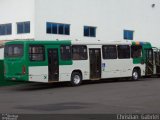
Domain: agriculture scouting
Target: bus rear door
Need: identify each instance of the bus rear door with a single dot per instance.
(53, 64)
(95, 63)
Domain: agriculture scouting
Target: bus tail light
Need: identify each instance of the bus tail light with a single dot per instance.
(23, 70)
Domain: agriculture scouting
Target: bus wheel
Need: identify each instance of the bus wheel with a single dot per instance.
(76, 79)
(135, 74)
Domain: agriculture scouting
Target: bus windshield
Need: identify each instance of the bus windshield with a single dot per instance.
(15, 50)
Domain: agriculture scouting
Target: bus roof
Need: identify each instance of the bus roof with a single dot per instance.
(39, 42)
(124, 42)
(78, 42)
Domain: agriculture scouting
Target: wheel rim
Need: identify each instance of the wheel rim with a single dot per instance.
(76, 79)
(135, 75)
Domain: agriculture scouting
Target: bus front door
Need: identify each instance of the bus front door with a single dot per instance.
(149, 62)
(157, 58)
(95, 64)
(53, 64)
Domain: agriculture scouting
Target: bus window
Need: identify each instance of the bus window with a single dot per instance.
(79, 52)
(66, 52)
(136, 51)
(14, 50)
(123, 51)
(109, 52)
(36, 53)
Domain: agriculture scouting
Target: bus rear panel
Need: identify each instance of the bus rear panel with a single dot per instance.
(15, 62)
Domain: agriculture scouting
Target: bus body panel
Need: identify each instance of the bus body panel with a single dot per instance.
(38, 74)
(13, 71)
(66, 71)
(116, 68)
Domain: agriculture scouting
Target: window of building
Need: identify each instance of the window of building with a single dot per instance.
(109, 52)
(123, 51)
(79, 52)
(23, 27)
(56, 28)
(6, 29)
(89, 31)
(36, 53)
(128, 34)
(66, 52)
(136, 51)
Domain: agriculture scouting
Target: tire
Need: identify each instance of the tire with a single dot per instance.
(135, 75)
(76, 79)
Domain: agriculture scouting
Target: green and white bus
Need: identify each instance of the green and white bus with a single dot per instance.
(75, 61)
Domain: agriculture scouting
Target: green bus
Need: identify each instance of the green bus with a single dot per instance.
(75, 61)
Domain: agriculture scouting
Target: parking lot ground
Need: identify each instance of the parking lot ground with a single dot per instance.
(98, 97)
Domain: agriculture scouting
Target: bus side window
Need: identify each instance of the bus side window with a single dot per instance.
(123, 51)
(136, 51)
(36, 53)
(66, 52)
(109, 52)
(79, 52)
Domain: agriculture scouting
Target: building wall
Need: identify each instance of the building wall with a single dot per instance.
(110, 17)
(13, 11)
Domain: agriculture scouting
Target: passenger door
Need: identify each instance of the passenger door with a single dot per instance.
(95, 63)
(53, 64)
(157, 61)
(149, 62)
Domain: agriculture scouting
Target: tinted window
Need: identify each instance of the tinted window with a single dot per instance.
(79, 52)
(61, 30)
(20, 28)
(67, 30)
(49, 28)
(8, 29)
(93, 32)
(23, 27)
(36, 53)
(2, 30)
(123, 51)
(109, 52)
(86, 31)
(89, 31)
(66, 52)
(136, 51)
(56, 28)
(27, 27)
(5, 29)
(128, 34)
(14, 50)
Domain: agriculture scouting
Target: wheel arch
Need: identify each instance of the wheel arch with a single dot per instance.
(79, 71)
(138, 69)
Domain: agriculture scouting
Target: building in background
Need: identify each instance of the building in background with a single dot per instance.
(104, 20)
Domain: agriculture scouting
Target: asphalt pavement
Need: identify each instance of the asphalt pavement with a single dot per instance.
(98, 97)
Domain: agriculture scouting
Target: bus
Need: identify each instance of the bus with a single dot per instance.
(75, 61)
